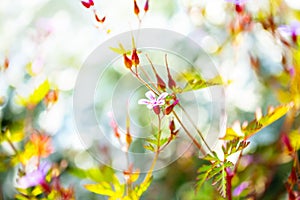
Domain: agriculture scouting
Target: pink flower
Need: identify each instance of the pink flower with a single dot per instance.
(239, 189)
(152, 102)
(292, 30)
(34, 177)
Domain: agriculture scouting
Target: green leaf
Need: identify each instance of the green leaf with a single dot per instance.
(36, 96)
(14, 133)
(121, 50)
(103, 188)
(140, 189)
(234, 146)
(163, 141)
(294, 137)
(149, 147)
(194, 81)
(20, 197)
(258, 124)
(203, 171)
(216, 172)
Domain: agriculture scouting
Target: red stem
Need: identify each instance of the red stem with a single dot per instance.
(229, 176)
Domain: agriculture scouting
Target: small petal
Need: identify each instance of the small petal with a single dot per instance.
(150, 106)
(144, 101)
(160, 103)
(150, 95)
(162, 96)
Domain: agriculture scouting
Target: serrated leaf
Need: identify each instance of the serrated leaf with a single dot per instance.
(203, 171)
(152, 141)
(163, 141)
(230, 134)
(194, 81)
(216, 172)
(256, 125)
(213, 157)
(149, 147)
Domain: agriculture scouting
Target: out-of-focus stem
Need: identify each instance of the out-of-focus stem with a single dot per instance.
(150, 171)
(143, 82)
(195, 127)
(199, 146)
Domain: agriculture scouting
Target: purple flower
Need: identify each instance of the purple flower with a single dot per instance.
(239, 189)
(35, 177)
(152, 102)
(237, 2)
(292, 30)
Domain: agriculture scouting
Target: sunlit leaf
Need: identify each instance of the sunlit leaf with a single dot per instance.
(37, 191)
(149, 147)
(21, 197)
(256, 125)
(140, 189)
(214, 171)
(121, 50)
(102, 188)
(194, 81)
(14, 133)
(294, 137)
(230, 134)
(36, 96)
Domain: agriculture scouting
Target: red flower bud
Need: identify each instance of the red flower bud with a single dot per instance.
(239, 8)
(136, 8)
(156, 110)
(172, 126)
(127, 61)
(146, 6)
(160, 83)
(171, 82)
(128, 139)
(51, 97)
(6, 63)
(169, 109)
(286, 141)
(135, 58)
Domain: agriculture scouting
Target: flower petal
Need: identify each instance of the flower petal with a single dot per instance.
(150, 95)
(150, 106)
(162, 96)
(144, 101)
(160, 103)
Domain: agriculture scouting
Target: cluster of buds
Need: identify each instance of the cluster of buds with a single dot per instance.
(133, 61)
(136, 8)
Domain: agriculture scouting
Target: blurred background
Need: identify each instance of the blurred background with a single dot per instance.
(52, 39)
